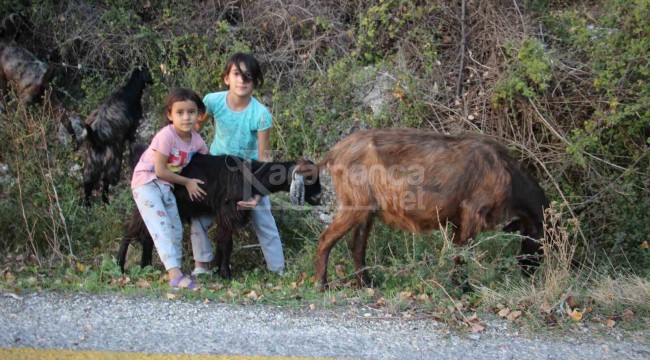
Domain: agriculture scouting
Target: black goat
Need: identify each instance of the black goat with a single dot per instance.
(227, 180)
(108, 129)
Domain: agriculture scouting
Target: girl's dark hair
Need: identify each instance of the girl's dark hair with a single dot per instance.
(180, 94)
(254, 72)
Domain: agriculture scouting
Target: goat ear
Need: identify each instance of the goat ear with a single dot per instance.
(308, 171)
(297, 188)
(305, 166)
(9, 26)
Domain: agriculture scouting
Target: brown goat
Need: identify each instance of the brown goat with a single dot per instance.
(18, 65)
(30, 78)
(21, 68)
(417, 181)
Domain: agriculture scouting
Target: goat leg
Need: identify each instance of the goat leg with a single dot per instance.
(121, 255)
(342, 223)
(90, 177)
(147, 249)
(458, 276)
(224, 251)
(30, 94)
(105, 187)
(218, 257)
(67, 123)
(531, 251)
(358, 247)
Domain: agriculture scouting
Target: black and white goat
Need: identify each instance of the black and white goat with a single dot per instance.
(108, 129)
(227, 180)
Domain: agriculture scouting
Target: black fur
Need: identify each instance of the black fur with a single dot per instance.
(108, 129)
(225, 183)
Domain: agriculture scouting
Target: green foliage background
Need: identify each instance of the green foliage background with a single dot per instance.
(563, 84)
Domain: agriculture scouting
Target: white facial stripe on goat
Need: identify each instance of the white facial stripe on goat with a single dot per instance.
(297, 189)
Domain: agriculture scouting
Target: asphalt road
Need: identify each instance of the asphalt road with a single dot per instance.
(118, 324)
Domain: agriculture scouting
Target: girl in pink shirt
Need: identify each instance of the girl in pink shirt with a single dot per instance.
(156, 174)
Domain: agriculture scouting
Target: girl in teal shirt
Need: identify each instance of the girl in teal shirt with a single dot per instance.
(242, 125)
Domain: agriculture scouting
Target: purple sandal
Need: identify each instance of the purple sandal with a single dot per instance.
(175, 283)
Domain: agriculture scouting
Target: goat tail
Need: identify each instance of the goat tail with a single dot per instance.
(91, 136)
(135, 229)
(324, 163)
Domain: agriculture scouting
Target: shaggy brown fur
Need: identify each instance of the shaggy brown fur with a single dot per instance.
(21, 68)
(418, 181)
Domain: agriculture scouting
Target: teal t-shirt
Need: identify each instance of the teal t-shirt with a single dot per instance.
(235, 132)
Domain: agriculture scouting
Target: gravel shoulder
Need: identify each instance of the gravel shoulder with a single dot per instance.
(116, 323)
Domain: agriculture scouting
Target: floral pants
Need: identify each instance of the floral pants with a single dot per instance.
(157, 206)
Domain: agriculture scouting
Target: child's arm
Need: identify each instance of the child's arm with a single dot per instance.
(162, 172)
(263, 143)
(262, 155)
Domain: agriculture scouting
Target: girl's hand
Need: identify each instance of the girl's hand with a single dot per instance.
(250, 203)
(195, 190)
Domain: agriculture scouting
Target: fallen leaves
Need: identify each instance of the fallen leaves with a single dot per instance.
(474, 323)
(405, 295)
(339, 271)
(576, 315)
(252, 295)
(119, 281)
(514, 315)
(511, 316)
(476, 328)
(8, 277)
(143, 283)
(573, 309)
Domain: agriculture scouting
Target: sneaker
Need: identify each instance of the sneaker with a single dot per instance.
(201, 271)
(279, 273)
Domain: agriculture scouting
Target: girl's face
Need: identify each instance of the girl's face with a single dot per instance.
(237, 82)
(184, 115)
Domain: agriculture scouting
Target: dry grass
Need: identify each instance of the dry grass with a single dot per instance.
(561, 278)
(622, 292)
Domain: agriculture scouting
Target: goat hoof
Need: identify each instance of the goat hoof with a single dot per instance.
(364, 281)
(226, 274)
(324, 287)
(465, 287)
(366, 284)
